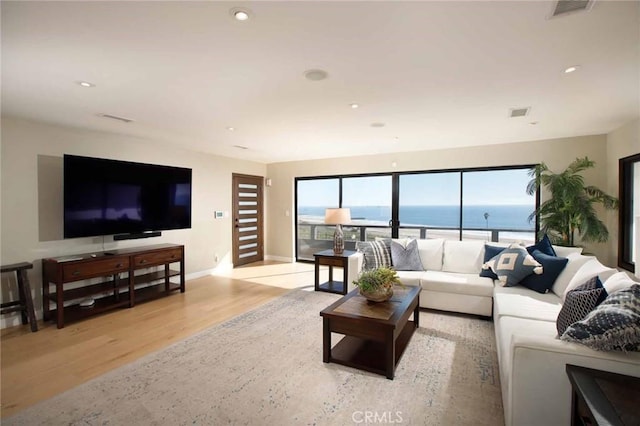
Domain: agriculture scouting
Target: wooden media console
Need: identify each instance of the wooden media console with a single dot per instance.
(117, 286)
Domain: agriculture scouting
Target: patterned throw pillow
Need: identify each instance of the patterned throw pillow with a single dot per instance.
(612, 325)
(579, 302)
(552, 267)
(376, 254)
(489, 252)
(406, 258)
(512, 264)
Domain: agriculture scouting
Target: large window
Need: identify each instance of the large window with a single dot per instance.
(496, 206)
(369, 198)
(313, 196)
(429, 201)
(485, 204)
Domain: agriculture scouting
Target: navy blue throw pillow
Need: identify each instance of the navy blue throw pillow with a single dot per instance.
(551, 267)
(489, 253)
(544, 245)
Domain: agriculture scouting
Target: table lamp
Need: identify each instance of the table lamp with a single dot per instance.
(337, 217)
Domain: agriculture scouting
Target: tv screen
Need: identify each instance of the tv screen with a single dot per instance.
(106, 197)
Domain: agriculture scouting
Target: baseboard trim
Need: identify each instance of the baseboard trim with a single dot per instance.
(280, 258)
(199, 274)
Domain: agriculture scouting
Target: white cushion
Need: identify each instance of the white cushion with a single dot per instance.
(524, 303)
(507, 327)
(574, 263)
(451, 282)
(618, 281)
(463, 256)
(587, 271)
(430, 251)
(410, 278)
(562, 251)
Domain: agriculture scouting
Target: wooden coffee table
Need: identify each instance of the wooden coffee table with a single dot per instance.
(375, 334)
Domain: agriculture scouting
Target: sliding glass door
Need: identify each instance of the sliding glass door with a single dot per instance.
(496, 206)
(313, 196)
(429, 205)
(486, 204)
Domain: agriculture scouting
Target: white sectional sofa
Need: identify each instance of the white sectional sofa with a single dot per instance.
(532, 359)
(451, 280)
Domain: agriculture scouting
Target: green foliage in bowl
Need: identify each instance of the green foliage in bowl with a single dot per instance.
(375, 279)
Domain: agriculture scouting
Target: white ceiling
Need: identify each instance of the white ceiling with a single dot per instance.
(438, 74)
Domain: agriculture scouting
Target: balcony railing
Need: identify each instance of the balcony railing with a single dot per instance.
(313, 238)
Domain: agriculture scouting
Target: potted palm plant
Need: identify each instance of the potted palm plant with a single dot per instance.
(377, 284)
(570, 210)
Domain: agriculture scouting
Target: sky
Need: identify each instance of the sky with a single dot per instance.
(496, 187)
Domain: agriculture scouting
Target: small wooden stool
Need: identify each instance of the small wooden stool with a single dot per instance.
(25, 302)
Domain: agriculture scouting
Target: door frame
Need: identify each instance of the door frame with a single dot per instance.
(259, 181)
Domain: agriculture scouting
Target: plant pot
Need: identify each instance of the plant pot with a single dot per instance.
(381, 294)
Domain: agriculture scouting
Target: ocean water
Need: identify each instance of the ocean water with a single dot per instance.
(511, 217)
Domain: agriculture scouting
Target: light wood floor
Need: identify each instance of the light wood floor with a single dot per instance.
(37, 366)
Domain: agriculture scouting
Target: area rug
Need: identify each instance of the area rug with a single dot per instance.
(265, 368)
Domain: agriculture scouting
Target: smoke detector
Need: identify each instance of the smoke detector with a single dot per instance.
(564, 7)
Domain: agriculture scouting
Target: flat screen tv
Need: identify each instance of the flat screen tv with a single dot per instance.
(110, 197)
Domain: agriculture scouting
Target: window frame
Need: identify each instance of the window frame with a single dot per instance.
(625, 211)
(395, 188)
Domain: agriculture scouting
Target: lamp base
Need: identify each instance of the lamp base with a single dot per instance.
(338, 240)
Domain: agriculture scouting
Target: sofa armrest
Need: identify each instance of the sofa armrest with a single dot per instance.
(539, 391)
(356, 262)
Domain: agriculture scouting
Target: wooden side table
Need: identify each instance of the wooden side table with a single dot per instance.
(603, 398)
(331, 259)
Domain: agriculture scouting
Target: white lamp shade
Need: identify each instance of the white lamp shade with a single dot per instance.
(337, 216)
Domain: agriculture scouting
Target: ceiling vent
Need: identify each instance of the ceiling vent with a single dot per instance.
(115, 117)
(563, 7)
(518, 112)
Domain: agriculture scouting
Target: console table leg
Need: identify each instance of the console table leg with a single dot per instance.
(59, 306)
(326, 340)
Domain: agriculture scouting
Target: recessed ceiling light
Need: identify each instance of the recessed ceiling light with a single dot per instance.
(86, 84)
(240, 14)
(315, 75)
(377, 124)
(354, 106)
(231, 129)
(571, 69)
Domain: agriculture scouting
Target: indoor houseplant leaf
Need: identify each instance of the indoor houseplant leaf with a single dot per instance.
(377, 284)
(571, 206)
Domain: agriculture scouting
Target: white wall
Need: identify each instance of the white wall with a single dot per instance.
(31, 199)
(556, 153)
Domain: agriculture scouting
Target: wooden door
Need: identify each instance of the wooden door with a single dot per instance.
(248, 245)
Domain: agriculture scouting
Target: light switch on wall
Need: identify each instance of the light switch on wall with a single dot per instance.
(287, 213)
